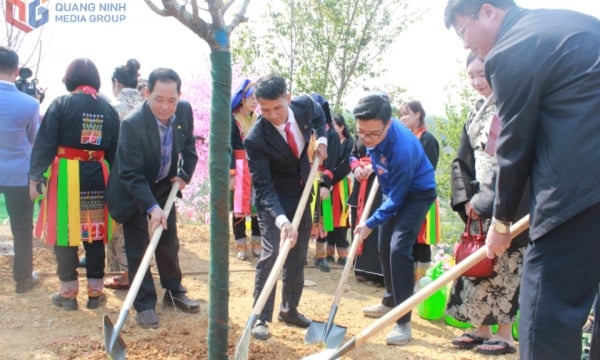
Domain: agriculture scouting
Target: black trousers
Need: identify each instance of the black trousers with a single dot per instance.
(293, 268)
(559, 285)
(137, 239)
(396, 241)
(239, 227)
(20, 210)
(67, 261)
(338, 237)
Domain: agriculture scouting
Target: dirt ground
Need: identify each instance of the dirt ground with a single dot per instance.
(32, 328)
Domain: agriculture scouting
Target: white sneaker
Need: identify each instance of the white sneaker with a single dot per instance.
(400, 335)
(242, 250)
(376, 311)
(241, 255)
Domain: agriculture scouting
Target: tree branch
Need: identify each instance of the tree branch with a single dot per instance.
(240, 17)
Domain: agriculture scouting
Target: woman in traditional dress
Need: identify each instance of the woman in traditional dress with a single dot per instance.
(337, 239)
(77, 141)
(367, 266)
(493, 300)
(321, 206)
(412, 115)
(124, 85)
(243, 104)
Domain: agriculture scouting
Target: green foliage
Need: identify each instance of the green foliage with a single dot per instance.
(324, 46)
(448, 132)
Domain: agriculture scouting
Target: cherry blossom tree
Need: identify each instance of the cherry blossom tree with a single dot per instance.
(210, 24)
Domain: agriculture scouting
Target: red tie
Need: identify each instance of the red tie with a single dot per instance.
(490, 147)
(289, 135)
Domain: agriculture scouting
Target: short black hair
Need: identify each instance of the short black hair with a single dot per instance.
(9, 60)
(270, 87)
(374, 106)
(456, 8)
(80, 72)
(163, 75)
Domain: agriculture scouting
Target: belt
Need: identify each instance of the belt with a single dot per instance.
(70, 153)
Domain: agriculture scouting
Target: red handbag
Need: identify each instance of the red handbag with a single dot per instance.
(470, 243)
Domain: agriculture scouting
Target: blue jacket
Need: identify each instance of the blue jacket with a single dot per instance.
(19, 121)
(402, 167)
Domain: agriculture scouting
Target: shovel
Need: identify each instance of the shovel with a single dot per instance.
(241, 349)
(329, 334)
(113, 343)
(411, 302)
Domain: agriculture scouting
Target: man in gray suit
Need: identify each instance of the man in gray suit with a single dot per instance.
(276, 147)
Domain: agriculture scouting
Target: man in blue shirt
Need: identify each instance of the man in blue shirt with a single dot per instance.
(407, 180)
(19, 121)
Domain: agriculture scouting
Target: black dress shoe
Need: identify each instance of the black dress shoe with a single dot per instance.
(147, 319)
(294, 318)
(181, 301)
(94, 302)
(26, 285)
(63, 302)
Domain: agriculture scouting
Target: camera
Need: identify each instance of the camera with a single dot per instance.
(29, 87)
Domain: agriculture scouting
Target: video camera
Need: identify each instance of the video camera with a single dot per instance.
(29, 87)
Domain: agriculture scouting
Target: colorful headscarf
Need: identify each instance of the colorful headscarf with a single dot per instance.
(245, 89)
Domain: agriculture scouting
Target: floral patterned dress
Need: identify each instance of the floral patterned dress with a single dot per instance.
(491, 300)
(116, 258)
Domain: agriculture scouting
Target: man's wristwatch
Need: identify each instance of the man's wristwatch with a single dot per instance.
(501, 227)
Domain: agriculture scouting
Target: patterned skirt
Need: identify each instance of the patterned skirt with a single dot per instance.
(492, 300)
(73, 209)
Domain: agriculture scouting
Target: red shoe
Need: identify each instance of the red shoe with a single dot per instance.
(119, 282)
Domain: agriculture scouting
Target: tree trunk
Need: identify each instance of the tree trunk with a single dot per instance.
(219, 159)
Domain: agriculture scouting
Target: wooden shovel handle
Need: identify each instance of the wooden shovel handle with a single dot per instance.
(149, 254)
(286, 247)
(455, 272)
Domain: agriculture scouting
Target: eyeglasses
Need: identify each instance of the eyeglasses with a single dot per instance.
(460, 31)
(370, 135)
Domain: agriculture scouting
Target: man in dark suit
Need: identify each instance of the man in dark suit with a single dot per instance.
(276, 147)
(156, 148)
(544, 67)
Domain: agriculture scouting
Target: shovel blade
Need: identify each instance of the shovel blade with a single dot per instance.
(243, 346)
(317, 332)
(335, 337)
(114, 348)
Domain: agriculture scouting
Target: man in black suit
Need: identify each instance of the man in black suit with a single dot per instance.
(544, 67)
(276, 147)
(156, 148)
